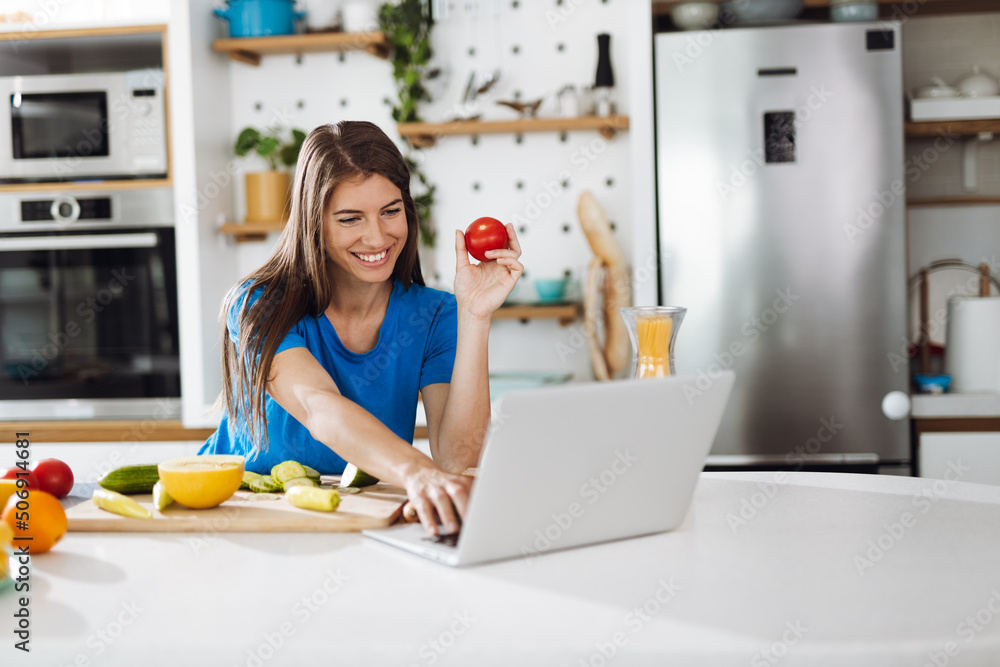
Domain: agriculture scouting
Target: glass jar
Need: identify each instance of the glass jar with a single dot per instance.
(653, 330)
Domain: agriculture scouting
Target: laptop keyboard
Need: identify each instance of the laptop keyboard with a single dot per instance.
(444, 540)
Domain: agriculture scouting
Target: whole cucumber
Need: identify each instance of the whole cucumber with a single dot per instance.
(131, 479)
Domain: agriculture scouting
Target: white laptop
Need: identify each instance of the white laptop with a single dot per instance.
(579, 464)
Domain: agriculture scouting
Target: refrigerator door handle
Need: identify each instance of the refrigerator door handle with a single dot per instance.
(778, 71)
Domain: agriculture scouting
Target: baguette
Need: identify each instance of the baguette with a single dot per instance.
(617, 295)
(617, 283)
(591, 313)
(598, 231)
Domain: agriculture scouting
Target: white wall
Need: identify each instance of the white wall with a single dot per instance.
(536, 48)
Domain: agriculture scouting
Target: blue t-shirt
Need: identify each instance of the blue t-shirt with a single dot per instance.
(416, 347)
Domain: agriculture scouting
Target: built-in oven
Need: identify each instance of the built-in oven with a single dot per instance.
(88, 306)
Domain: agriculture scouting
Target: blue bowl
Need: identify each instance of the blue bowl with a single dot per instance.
(932, 384)
(551, 289)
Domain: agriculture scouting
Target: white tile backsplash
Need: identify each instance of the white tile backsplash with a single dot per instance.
(970, 233)
(948, 47)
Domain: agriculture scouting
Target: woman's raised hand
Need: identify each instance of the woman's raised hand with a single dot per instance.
(483, 287)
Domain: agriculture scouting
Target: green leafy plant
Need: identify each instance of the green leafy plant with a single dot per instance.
(407, 26)
(270, 145)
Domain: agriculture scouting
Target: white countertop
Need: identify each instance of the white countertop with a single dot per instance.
(954, 406)
(826, 569)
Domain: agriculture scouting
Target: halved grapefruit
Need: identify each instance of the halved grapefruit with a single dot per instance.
(200, 482)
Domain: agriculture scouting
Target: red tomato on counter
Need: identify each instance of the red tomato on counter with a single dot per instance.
(54, 477)
(11, 473)
(485, 234)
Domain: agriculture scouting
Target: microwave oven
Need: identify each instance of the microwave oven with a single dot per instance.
(72, 127)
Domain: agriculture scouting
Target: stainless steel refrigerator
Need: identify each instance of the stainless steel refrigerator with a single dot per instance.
(781, 227)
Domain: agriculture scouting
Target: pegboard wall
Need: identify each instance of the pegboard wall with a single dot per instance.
(534, 180)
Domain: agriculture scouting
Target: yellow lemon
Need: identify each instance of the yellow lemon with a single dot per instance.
(8, 487)
(200, 482)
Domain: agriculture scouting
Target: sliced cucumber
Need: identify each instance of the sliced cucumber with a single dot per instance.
(354, 477)
(311, 473)
(247, 478)
(287, 470)
(313, 498)
(348, 489)
(264, 484)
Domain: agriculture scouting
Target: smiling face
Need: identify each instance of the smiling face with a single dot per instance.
(364, 228)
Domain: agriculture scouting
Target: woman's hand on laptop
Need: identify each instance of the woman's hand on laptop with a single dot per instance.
(438, 499)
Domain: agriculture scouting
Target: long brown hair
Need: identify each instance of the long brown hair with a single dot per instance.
(295, 281)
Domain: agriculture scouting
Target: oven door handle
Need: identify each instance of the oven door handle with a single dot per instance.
(81, 242)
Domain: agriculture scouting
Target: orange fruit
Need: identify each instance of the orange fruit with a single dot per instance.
(45, 524)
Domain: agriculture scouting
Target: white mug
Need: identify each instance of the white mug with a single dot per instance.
(360, 17)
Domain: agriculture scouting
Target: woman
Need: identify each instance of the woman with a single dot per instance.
(328, 344)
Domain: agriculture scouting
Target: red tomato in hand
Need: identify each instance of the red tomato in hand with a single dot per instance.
(485, 234)
(11, 473)
(54, 477)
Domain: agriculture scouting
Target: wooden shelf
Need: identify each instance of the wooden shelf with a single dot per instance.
(251, 231)
(95, 430)
(32, 33)
(944, 127)
(250, 50)
(953, 201)
(77, 186)
(425, 134)
(566, 313)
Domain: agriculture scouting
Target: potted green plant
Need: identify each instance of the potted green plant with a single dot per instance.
(268, 195)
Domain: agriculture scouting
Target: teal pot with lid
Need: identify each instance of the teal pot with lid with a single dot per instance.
(259, 18)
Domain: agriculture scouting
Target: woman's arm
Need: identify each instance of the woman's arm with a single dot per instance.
(458, 414)
(307, 392)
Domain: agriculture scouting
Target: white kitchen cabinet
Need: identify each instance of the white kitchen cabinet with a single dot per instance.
(969, 457)
(957, 436)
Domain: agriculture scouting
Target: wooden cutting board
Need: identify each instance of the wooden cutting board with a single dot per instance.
(375, 507)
